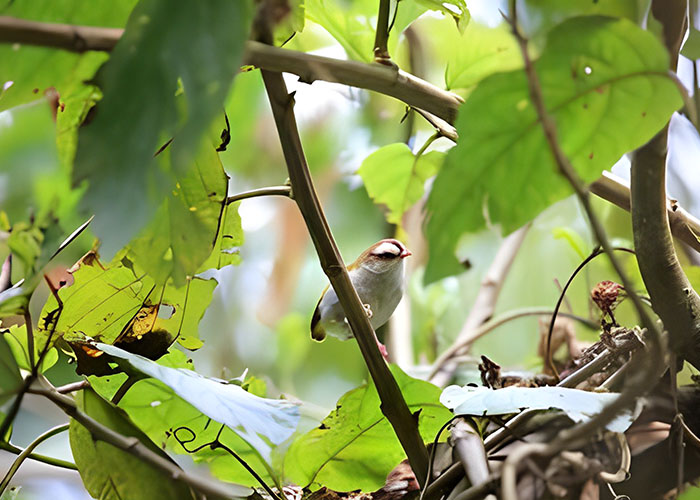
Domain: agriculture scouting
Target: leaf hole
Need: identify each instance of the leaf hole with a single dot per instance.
(588, 70)
(166, 311)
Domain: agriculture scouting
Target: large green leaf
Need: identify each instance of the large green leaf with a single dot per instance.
(159, 412)
(355, 446)
(605, 82)
(395, 177)
(196, 44)
(262, 423)
(113, 474)
(16, 337)
(186, 227)
(10, 379)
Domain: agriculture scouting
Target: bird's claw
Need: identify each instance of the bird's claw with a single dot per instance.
(368, 310)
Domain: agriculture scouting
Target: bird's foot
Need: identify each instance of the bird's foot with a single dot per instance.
(368, 310)
(382, 349)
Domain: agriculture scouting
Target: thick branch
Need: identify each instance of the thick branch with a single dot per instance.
(377, 77)
(672, 296)
(393, 405)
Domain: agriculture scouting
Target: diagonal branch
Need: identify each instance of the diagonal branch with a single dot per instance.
(393, 405)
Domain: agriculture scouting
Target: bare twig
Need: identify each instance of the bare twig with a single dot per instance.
(268, 191)
(26, 453)
(485, 328)
(486, 299)
(471, 453)
(73, 387)
(393, 405)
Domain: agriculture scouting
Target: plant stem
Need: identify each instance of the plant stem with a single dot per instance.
(56, 462)
(268, 191)
(393, 405)
(30, 342)
(26, 453)
(381, 52)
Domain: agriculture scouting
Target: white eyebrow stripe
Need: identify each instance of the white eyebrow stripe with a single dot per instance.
(387, 247)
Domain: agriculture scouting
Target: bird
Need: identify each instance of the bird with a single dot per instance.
(377, 275)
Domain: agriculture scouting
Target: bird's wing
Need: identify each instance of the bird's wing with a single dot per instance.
(317, 330)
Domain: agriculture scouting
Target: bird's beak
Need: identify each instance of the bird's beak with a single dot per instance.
(406, 252)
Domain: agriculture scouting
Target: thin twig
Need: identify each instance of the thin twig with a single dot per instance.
(73, 387)
(26, 453)
(30, 342)
(14, 409)
(485, 328)
(56, 462)
(268, 191)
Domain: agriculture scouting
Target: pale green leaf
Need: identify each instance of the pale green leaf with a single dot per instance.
(395, 177)
(691, 47)
(10, 379)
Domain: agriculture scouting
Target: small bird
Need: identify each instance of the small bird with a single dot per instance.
(377, 275)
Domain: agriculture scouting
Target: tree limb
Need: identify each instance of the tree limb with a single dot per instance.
(377, 77)
(672, 296)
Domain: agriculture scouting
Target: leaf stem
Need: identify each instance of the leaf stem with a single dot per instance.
(268, 191)
(30, 342)
(26, 453)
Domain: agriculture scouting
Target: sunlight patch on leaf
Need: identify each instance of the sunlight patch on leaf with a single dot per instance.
(580, 406)
(262, 423)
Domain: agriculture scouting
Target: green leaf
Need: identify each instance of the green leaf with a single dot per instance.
(606, 84)
(394, 177)
(262, 423)
(229, 238)
(196, 44)
(455, 8)
(10, 378)
(110, 473)
(186, 227)
(121, 304)
(159, 412)
(479, 52)
(336, 454)
(16, 338)
(691, 47)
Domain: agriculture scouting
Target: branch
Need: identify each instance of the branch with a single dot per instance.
(393, 405)
(684, 226)
(381, 52)
(26, 453)
(56, 462)
(673, 298)
(377, 77)
(268, 191)
(133, 446)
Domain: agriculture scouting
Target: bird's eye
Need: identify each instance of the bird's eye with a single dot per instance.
(387, 255)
